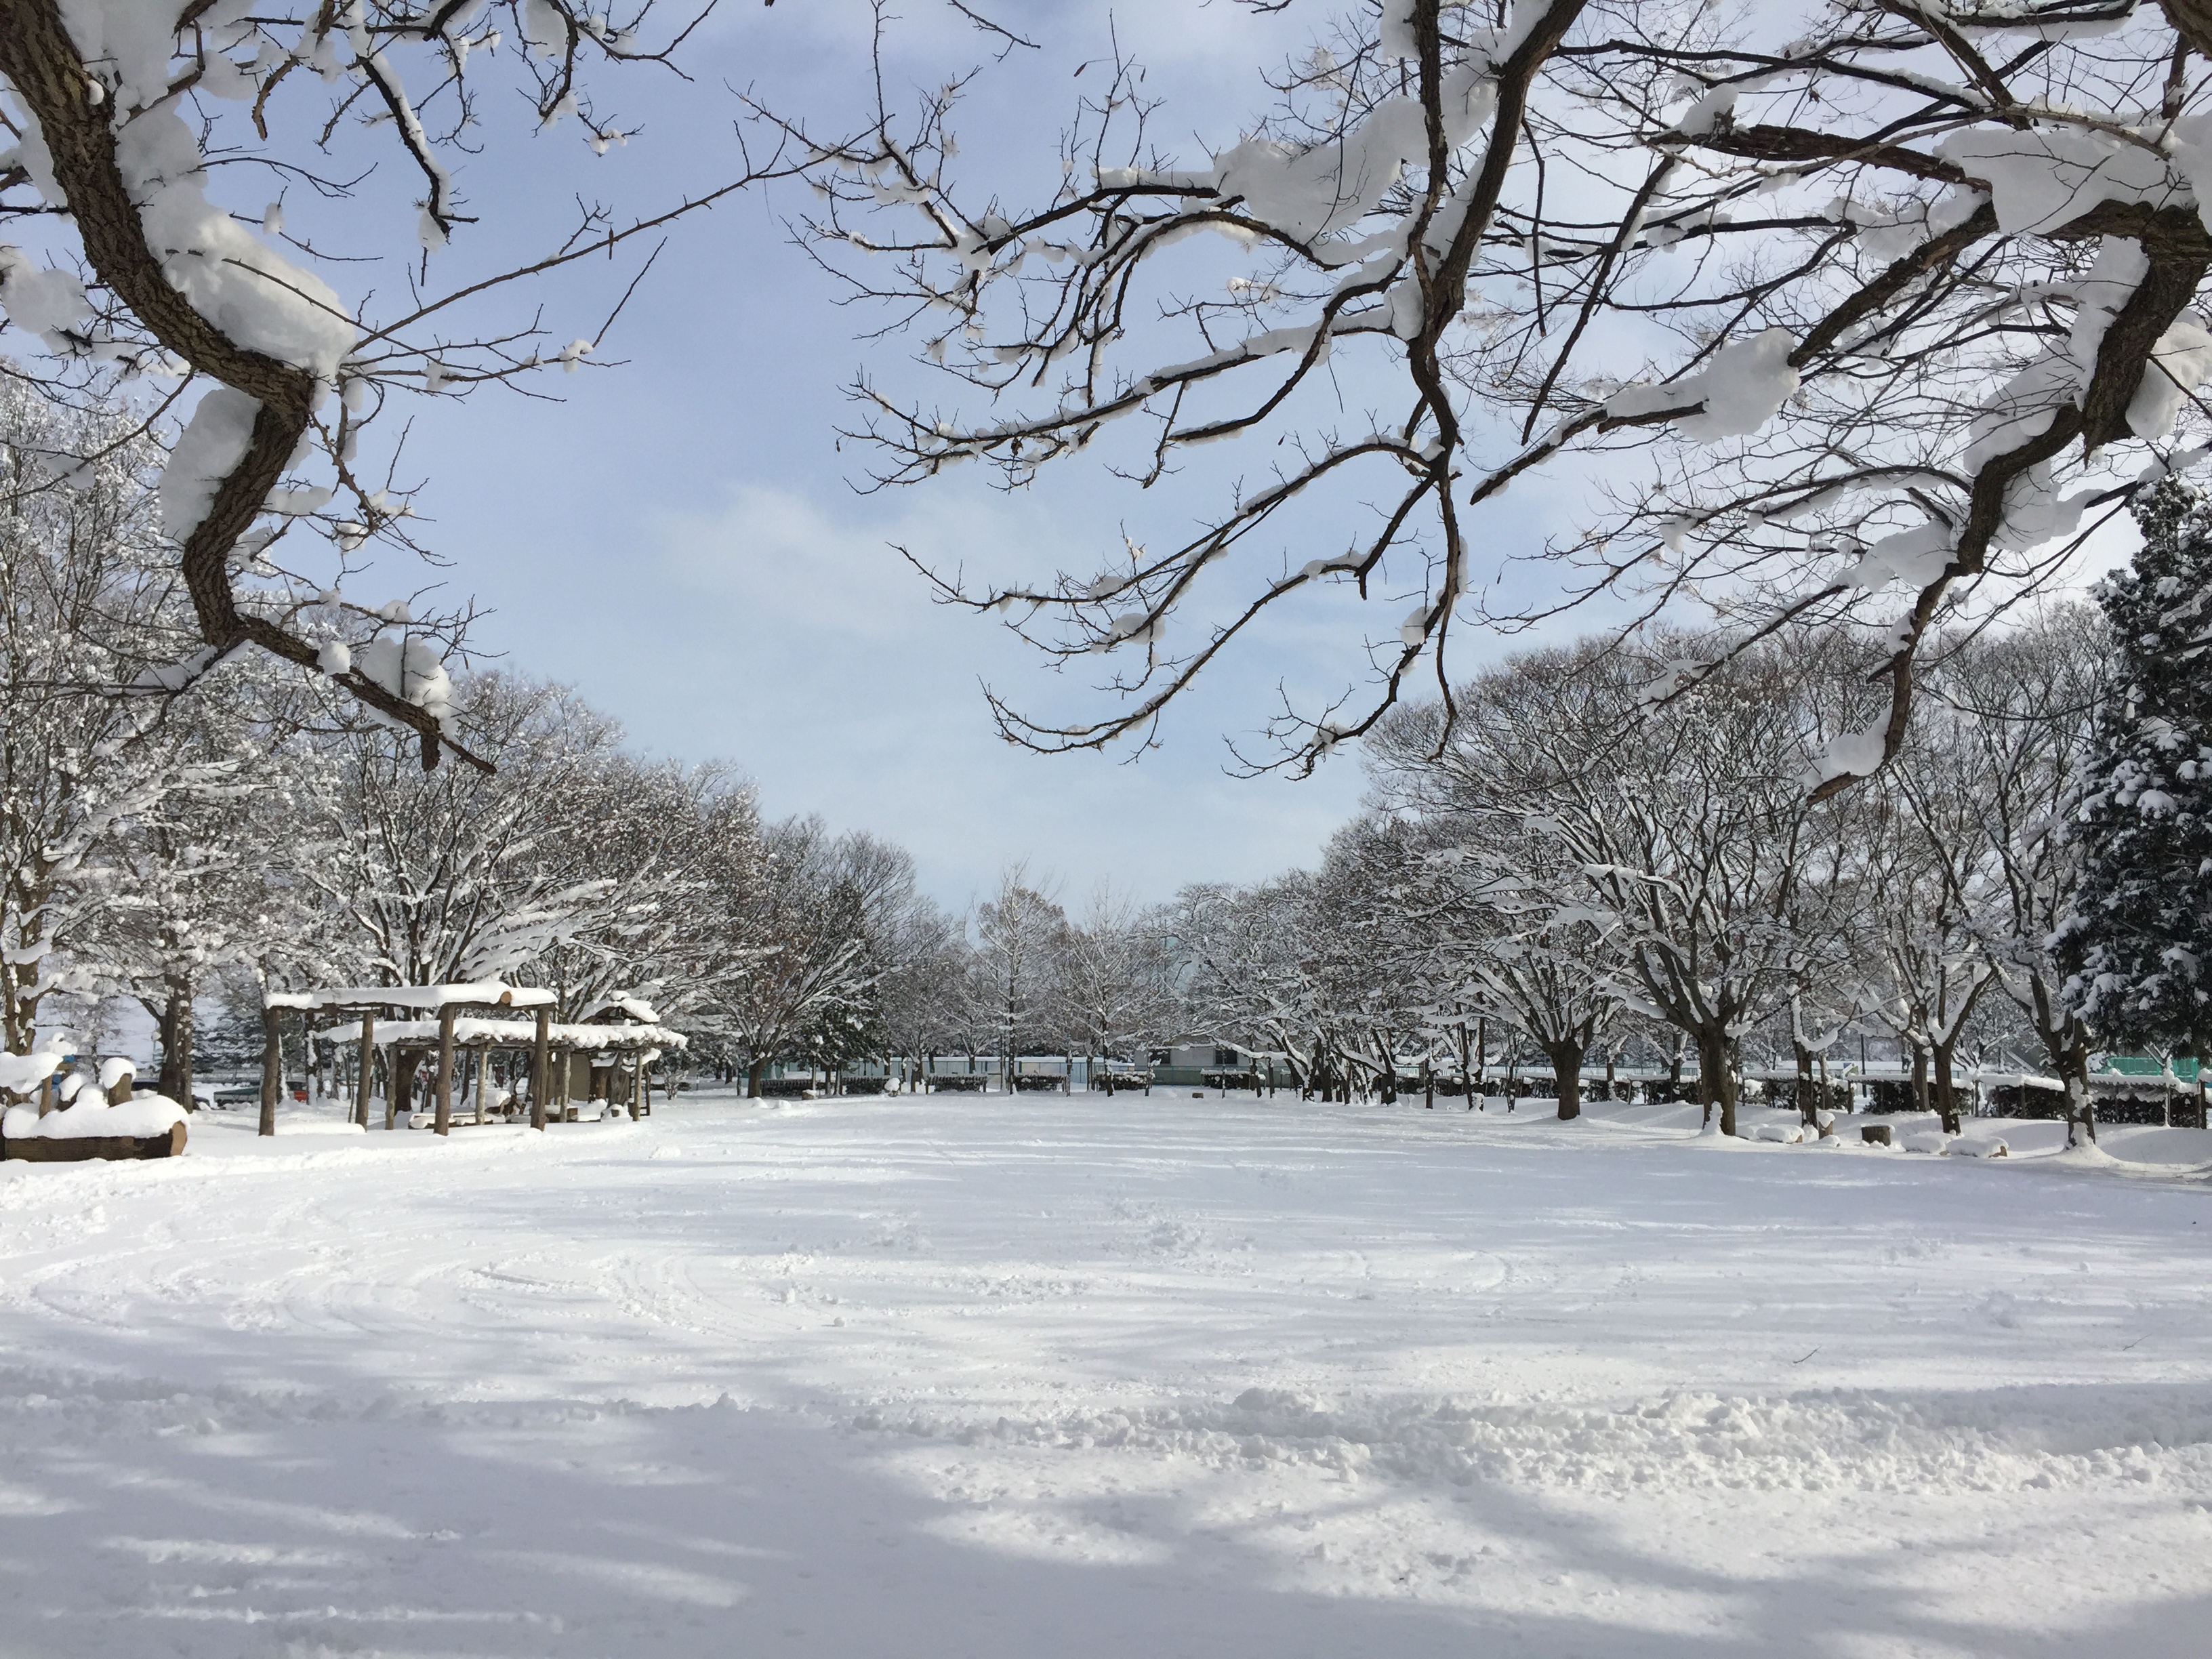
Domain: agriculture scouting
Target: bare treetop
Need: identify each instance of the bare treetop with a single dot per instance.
(1830, 312)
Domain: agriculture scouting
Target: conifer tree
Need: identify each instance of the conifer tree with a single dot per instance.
(2137, 947)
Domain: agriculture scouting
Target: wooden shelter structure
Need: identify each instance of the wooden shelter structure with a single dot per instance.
(413, 1038)
(476, 1019)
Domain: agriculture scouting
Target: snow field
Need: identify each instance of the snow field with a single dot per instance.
(951, 1377)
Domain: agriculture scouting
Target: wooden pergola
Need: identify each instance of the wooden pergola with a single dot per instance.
(555, 1083)
(448, 1003)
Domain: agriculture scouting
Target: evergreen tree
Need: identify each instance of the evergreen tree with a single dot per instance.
(2137, 947)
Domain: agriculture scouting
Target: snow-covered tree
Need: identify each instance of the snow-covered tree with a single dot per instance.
(1922, 908)
(794, 948)
(923, 982)
(1013, 979)
(1113, 985)
(1250, 961)
(412, 877)
(1994, 765)
(1676, 795)
(2137, 944)
(87, 606)
(1523, 951)
(187, 884)
(288, 321)
(1824, 309)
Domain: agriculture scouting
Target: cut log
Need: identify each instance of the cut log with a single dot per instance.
(1874, 1134)
(50, 1149)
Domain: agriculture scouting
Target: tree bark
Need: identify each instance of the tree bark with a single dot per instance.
(49, 77)
(272, 1068)
(1567, 1060)
(177, 1032)
(1946, 1093)
(1716, 1078)
(402, 1085)
(2081, 1106)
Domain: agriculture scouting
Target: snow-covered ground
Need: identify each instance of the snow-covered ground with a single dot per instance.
(944, 1378)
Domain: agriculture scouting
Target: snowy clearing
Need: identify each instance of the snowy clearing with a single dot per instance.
(953, 1376)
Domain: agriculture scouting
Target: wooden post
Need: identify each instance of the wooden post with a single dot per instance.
(399, 1083)
(483, 1052)
(445, 1106)
(272, 1068)
(645, 1085)
(361, 1085)
(540, 1078)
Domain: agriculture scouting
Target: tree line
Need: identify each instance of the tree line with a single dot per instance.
(1611, 846)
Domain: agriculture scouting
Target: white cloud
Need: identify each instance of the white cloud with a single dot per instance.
(810, 654)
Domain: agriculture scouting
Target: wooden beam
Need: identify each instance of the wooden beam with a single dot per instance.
(446, 1015)
(360, 1085)
(540, 1078)
(482, 1054)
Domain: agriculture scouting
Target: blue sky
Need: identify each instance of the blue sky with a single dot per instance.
(680, 539)
(679, 535)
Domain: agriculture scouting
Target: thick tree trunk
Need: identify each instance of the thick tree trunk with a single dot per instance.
(1716, 1079)
(2081, 1106)
(755, 1071)
(176, 1077)
(272, 1068)
(1920, 1101)
(1808, 1097)
(1567, 1060)
(400, 1098)
(1946, 1093)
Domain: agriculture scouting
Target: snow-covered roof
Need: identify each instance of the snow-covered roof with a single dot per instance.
(622, 1002)
(518, 1034)
(488, 993)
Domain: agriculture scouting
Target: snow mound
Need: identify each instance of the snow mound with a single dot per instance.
(1844, 1440)
(91, 1117)
(1927, 1141)
(1788, 1134)
(22, 1073)
(1992, 1147)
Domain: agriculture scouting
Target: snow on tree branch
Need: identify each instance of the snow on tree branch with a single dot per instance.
(119, 109)
(1831, 314)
